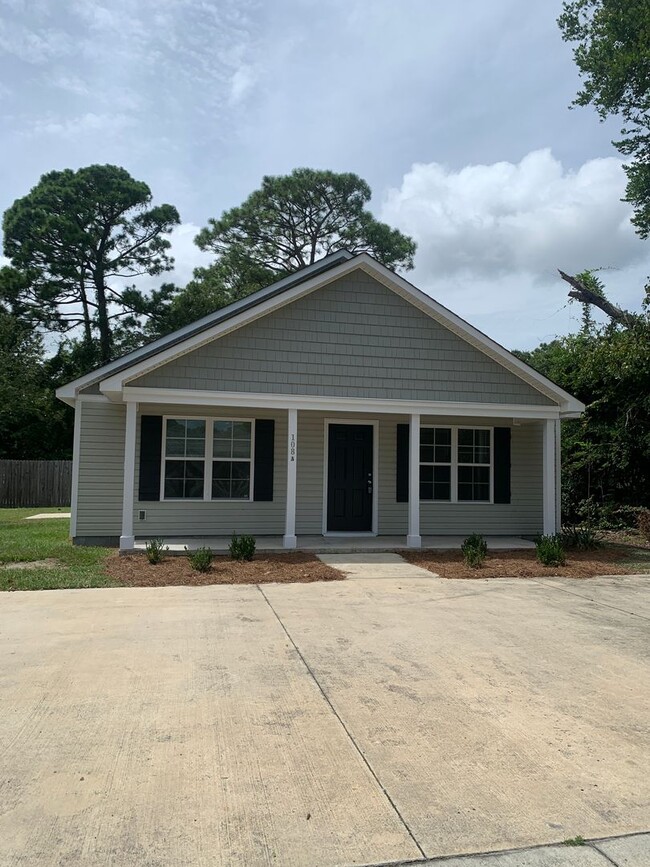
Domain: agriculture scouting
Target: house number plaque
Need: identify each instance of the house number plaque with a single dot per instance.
(292, 447)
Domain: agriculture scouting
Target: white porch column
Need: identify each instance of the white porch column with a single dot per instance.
(548, 477)
(289, 540)
(127, 540)
(558, 475)
(414, 540)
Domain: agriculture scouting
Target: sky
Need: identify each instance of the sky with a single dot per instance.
(457, 115)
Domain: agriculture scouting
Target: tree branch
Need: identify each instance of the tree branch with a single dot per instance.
(580, 292)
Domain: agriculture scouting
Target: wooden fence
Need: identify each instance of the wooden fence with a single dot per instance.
(35, 483)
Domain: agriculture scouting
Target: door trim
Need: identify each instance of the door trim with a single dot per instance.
(374, 424)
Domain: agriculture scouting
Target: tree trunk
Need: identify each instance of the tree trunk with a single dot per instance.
(88, 334)
(580, 292)
(105, 341)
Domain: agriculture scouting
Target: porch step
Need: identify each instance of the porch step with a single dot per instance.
(376, 565)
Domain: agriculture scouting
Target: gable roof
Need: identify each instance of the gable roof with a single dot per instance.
(113, 376)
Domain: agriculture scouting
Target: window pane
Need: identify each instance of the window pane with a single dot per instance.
(240, 470)
(426, 454)
(194, 448)
(442, 474)
(442, 491)
(194, 488)
(194, 469)
(474, 484)
(241, 430)
(221, 489)
(426, 491)
(221, 470)
(223, 429)
(222, 448)
(195, 428)
(240, 488)
(426, 474)
(482, 455)
(176, 447)
(482, 438)
(175, 427)
(443, 436)
(173, 487)
(174, 469)
(241, 448)
(465, 437)
(443, 454)
(427, 436)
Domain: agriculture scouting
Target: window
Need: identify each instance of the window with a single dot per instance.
(231, 467)
(207, 459)
(474, 464)
(435, 463)
(184, 458)
(455, 464)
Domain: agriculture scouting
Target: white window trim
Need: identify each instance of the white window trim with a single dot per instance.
(207, 458)
(455, 463)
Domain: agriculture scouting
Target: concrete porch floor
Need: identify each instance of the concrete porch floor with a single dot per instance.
(335, 544)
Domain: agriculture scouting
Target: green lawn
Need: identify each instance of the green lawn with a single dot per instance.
(22, 541)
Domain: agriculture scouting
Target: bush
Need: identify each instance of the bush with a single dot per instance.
(643, 522)
(155, 549)
(242, 547)
(474, 550)
(550, 551)
(581, 538)
(201, 560)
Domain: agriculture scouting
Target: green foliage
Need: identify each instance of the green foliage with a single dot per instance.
(612, 52)
(581, 538)
(549, 550)
(155, 549)
(574, 841)
(201, 560)
(474, 549)
(242, 547)
(294, 220)
(605, 453)
(74, 235)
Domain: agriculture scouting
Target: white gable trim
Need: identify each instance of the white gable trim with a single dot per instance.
(112, 386)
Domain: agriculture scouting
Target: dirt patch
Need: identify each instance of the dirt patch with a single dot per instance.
(135, 570)
(627, 537)
(524, 564)
(49, 563)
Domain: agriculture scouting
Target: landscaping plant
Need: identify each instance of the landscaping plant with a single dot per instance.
(581, 538)
(242, 547)
(549, 550)
(474, 549)
(201, 560)
(155, 549)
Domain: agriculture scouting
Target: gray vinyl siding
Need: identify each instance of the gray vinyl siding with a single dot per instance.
(522, 516)
(216, 518)
(101, 469)
(351, 338)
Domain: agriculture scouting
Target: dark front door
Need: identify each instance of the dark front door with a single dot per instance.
(349, 478)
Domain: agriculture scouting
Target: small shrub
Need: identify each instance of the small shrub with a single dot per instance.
(155, 549)
(549, 550)
(201, 559)
(474, 550)
(581, 538)
(574, 841)
(643, 522)
(242, 547)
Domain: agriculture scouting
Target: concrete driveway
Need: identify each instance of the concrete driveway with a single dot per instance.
(362, 722)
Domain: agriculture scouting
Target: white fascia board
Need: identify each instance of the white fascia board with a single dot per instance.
(182, 397)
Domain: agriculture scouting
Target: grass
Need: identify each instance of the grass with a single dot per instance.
(26, 541)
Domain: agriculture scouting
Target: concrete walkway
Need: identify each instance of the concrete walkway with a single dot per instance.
(360, 722)
(632, 850)
(385, 565)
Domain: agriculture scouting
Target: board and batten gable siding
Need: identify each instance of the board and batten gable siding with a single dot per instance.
(351, 338)
(217, 517)
(101, 469)
(522, 516)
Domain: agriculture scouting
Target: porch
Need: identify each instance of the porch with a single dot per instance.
(336, 544)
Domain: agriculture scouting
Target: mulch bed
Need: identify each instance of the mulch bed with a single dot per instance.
(524, 564)
(626, 537)
(135, 570)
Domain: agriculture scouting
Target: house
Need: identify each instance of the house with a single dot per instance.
(339, 400)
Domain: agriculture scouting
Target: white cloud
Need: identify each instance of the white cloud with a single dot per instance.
(491, 237)
(73, 127)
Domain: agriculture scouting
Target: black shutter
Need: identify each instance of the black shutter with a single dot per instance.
(150, 454)
(501, 464)
(263, 460)
(402, 480)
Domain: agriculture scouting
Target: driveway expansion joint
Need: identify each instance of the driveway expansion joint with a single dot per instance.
(346, 730)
